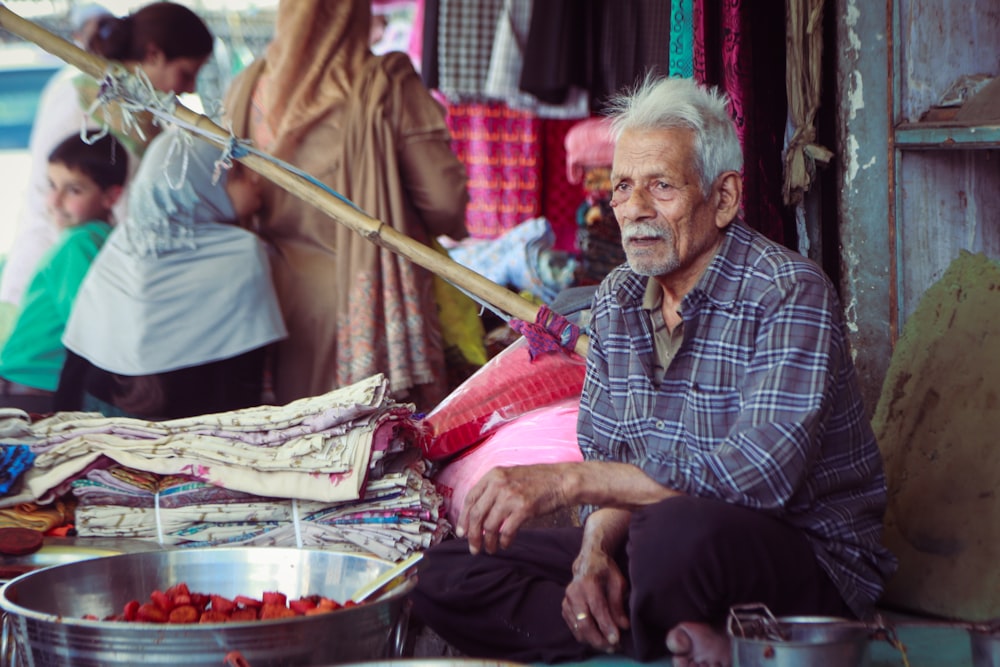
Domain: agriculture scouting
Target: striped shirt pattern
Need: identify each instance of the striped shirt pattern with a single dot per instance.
(760, 407)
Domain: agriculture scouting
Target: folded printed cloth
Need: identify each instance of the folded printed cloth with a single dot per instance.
(14, 460)
(318, 448)
(399, 513)
(42, 518)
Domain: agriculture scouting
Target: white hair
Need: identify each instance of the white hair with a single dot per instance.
(667, 102)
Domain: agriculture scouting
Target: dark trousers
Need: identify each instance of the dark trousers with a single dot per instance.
(31, 400)
(686, 559)
(218, 386)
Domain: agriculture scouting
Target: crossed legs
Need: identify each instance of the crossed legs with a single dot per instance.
(688, 560)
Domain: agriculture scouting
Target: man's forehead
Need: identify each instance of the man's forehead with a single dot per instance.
(649, 152)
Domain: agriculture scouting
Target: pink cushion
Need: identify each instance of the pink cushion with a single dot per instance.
(546, 435)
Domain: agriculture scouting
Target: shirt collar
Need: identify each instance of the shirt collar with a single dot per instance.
(720, 283)
(652, 298)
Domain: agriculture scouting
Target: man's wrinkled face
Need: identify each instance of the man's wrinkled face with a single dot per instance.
(667, 223)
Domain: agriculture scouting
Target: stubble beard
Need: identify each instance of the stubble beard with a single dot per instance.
(645, 262)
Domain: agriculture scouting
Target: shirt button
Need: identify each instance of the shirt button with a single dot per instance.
(659, 424)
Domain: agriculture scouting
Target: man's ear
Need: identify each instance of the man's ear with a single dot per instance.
(730, 192)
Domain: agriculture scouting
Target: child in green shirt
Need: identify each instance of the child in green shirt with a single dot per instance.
(85, 181)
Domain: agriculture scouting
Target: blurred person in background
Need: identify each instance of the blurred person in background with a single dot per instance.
(366, 127)
(83, 22)
(166, 41)
(174, 317)
(86, 179)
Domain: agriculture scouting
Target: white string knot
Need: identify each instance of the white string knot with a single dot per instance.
(179, 145)
(134, 93)
(232, 150)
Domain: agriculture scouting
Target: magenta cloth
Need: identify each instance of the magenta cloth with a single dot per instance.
(501, 152)
(544, 435)
(550, 332)
(588, 144)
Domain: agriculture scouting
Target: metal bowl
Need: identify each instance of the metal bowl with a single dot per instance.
(62, 550)
(806, 641)
(44, 621)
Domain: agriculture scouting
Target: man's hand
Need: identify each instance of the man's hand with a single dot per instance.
(504, 498)
(594, 604)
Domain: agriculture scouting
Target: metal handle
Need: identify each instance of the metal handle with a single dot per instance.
(753, 620)
(399, 633)
(7, 653)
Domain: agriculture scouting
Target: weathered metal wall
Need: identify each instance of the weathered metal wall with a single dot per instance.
(949, 201)
(911, 197)
(947, 193)
(863, 164)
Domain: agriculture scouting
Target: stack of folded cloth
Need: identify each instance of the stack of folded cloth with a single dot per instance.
(341, 470)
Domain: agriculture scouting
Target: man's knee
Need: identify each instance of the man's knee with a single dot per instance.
(679, 528)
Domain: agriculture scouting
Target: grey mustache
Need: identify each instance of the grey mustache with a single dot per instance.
(641, 229)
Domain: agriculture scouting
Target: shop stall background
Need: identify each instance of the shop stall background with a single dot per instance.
(516, 75)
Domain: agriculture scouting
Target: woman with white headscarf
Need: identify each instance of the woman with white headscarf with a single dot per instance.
(164, 41)
(174, 317)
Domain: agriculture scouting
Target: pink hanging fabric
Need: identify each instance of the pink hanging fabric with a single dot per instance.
(501, 151)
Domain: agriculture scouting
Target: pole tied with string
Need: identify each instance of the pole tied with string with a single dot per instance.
(550, 332)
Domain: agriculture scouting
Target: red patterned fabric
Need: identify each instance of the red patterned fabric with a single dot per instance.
(560, 198)
(501, 151)
(516, 164)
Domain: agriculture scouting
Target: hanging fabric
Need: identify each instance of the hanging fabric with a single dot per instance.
(681, 38)
(501, 152)
(740, 47)
(466, 33)
(507, 64)
(802, 80)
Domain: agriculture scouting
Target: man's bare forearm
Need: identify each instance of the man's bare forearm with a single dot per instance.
(613, 485)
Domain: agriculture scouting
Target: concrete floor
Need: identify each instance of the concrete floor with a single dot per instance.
(926, 645)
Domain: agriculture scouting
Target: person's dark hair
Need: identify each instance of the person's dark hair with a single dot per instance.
(176, 30)
(105, 161)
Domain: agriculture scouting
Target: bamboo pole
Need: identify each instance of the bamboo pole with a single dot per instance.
(370, 228)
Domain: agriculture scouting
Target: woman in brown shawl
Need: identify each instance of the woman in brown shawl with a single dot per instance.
(367, 127)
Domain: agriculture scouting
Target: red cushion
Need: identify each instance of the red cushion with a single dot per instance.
(506, 387)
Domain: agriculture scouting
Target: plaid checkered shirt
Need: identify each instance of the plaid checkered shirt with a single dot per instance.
(760, 407)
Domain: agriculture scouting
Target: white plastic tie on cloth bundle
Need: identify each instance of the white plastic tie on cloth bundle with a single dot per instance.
(159, 521)
(296, 523)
